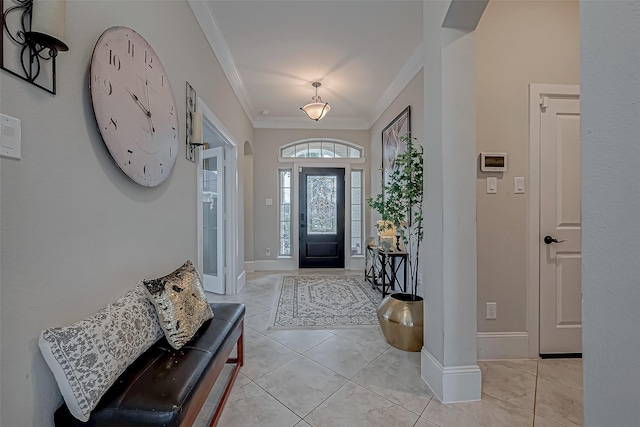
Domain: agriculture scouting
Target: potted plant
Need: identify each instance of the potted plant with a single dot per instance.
(400, 207)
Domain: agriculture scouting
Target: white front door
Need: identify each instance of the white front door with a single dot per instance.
(213, 220)
(560, 226)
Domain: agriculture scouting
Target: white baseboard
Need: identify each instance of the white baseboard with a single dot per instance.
(356, 263)
(452, 383)
(274, 265)
(503, 345)
(249, 266)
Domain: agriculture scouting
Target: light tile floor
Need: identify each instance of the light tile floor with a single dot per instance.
(352, 377)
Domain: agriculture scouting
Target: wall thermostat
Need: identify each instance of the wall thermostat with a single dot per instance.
(493, 162)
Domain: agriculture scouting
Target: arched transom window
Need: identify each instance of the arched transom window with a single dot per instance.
(321, 148)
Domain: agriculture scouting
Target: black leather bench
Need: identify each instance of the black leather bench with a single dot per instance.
(167, 387)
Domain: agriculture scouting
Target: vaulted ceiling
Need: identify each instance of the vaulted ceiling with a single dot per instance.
(362, 51)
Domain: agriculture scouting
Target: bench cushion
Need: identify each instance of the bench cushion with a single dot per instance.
(156, 390)
(88, 356)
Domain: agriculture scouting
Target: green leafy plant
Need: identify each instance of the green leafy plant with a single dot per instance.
(400, 204)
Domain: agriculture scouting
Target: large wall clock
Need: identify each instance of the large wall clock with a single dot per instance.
(134, 106)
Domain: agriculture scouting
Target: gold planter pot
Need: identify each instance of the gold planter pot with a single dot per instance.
(402, 321)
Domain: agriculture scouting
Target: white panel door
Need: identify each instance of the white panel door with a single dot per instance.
(213, 220)
(560, 227)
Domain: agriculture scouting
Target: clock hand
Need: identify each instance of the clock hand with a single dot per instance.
(146, 92)
(153, 129)
(146, 111)
(146, 88)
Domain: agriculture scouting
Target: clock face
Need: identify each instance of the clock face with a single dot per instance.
(134, 106)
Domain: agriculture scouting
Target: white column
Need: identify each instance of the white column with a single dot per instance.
(449, 354)
(610, 107)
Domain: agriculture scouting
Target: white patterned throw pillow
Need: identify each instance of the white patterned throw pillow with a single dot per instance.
(87, 357)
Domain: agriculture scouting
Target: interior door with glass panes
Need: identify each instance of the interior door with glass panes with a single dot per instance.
(213, 220)
(321, 217)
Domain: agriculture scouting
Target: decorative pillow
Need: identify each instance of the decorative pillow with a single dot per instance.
(180, 302)
(87, 357)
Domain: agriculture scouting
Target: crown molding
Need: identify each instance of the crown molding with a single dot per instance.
(220, 48)
(306, 123)
(408, 72)
(218, 43)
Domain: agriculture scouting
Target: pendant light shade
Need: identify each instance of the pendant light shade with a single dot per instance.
(316, 109)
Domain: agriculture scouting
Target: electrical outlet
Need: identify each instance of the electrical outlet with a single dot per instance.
(268, 252)
(492, 310)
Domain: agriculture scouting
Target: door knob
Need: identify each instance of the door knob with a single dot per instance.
(549, 240)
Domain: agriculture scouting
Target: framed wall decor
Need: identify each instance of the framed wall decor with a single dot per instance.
(392, 144)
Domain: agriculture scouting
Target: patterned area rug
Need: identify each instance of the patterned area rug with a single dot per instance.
(325, 302)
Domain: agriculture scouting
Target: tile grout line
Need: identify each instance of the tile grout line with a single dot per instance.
(278, 400)
(357, 385)
(535, 392)
(312, 347)
(302, 418)
(510, 403)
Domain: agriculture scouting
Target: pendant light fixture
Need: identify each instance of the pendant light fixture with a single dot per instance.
(316, 109)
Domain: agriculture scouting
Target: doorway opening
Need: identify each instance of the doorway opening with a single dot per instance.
(320, 153)
(217, 206)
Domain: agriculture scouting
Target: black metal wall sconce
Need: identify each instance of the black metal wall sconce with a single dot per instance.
(32, 53)
(194, 125)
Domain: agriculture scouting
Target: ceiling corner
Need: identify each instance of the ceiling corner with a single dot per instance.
(334, 123)
(218, 43)
(408, 72)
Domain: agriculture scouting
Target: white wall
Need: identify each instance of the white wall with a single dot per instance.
(76, 232)
(517, 43)
(610, 107)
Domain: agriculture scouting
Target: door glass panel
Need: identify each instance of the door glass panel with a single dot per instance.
(322, 211)
(210, 199)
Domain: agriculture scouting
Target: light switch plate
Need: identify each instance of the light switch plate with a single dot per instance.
(10, 137)
(518, 184)
(269, 202)
(492, 185)
(492, 310)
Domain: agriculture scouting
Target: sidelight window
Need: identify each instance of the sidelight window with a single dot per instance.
(356, 212)
(285, 212)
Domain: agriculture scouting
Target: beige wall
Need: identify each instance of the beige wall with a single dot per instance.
(266, 150)
(517, 43)
(76, 232)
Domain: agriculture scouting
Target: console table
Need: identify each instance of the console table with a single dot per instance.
(390, 263)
